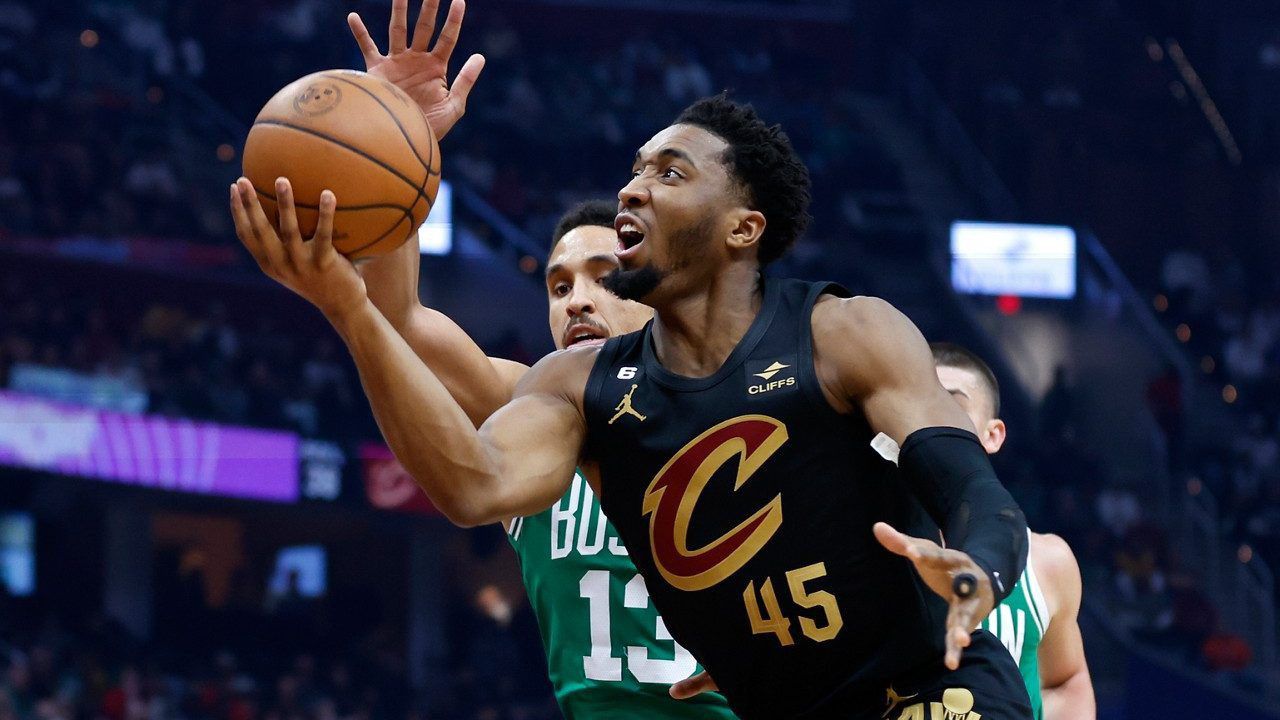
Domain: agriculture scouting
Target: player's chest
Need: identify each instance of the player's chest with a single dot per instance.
(642, 421)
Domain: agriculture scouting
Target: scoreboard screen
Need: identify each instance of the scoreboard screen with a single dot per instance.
(435, 237)
(1005, 259)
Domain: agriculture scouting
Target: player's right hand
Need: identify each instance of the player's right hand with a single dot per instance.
(423, 75)
(311, 268)
(939, 567)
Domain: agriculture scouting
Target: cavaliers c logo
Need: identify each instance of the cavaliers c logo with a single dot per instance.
(671, 497)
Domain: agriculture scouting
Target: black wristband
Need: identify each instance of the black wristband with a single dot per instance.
(999, 587)
(949, 472)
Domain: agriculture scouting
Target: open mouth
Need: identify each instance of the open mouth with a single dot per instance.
(630, 235)
(584, 336)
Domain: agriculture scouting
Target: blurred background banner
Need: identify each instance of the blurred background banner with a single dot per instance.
(146, 451)
(387, 485)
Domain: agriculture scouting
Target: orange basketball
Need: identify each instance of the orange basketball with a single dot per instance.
(358, 136)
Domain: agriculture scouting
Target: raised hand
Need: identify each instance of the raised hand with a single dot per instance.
(310, 268)
(423, 74)
(938, 567)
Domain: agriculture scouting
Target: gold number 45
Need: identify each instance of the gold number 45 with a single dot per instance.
(773, 621)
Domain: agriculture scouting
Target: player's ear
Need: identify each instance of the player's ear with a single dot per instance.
(993, 435)
(747, 231)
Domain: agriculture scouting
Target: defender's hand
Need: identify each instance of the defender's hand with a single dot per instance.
(938, 567)
(423, 75)
(692, 686)
(311, 268)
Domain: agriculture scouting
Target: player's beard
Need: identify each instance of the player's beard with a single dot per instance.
(688, 246)
(633, 284)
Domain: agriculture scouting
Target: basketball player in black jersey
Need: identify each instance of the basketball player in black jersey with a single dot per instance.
(730, 442)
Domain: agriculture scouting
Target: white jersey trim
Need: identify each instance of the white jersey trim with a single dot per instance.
(1039, 606)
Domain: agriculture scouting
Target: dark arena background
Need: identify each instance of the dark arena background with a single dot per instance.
(199, 518)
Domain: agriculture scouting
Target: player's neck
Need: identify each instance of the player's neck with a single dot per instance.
(694, 335)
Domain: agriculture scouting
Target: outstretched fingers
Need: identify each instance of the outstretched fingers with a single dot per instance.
(466, 79)
(368, 48)
(398, 30)
(449, 33)
(426, 25)
(896, 542)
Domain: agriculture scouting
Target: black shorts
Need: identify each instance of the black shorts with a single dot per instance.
(986, 686)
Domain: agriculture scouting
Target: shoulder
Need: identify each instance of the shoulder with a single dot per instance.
(863, 341)
(563, 372)
(1057, 570)
(862, 312)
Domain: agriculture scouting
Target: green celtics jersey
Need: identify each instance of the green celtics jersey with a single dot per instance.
(608, 650)
(1020, 623)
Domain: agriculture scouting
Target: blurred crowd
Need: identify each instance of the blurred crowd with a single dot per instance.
(281, 657)
(127, 118)
(1158, 133)
(188, 357)
(1103, 116)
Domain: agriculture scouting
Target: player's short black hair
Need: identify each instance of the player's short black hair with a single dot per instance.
(588, 212)
(760, 158)
(957, 356)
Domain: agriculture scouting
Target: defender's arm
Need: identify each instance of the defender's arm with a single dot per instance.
(480, 384)
(1064, 675)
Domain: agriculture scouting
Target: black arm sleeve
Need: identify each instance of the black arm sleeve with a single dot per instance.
(950, 474)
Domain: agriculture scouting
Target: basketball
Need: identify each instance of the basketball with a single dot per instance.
(358, 136)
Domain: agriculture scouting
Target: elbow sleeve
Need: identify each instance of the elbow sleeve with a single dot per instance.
(948, 471)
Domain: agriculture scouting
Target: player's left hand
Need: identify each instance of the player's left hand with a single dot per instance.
(423, 74)
(938, 567)
(691, 686)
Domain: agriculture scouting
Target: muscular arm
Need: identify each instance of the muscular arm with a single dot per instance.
(519, 462)
(1064, 674)
(479, 384)
(870, 356)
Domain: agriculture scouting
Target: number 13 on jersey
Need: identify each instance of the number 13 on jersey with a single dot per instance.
(601, 664)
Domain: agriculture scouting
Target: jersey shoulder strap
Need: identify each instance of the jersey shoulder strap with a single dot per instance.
(1036, 603)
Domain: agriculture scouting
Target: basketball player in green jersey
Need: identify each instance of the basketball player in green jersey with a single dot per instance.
(608, 651)
(1037, 621)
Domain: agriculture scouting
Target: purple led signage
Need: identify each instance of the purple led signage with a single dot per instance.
(148, 451)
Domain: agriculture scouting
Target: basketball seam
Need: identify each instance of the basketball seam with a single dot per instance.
(426, 164)
(407, 216)
(406, 213)
(370, 206)
(419, 190)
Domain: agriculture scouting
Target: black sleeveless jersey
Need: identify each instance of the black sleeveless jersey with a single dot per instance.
(747, 503)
